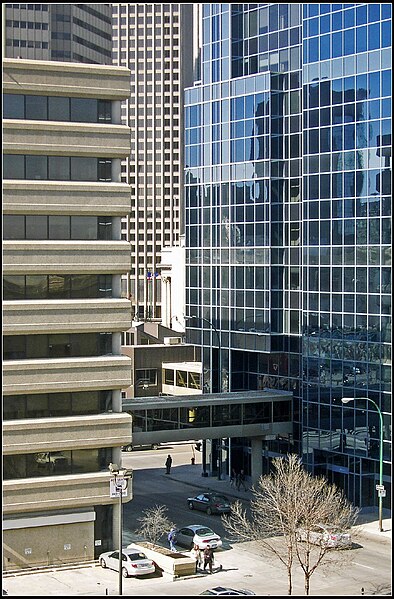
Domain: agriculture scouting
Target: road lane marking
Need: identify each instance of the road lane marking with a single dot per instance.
(363, 566)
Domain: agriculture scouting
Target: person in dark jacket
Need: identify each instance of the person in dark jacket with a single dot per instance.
(208, 558)
(168, 464)
(241, 481)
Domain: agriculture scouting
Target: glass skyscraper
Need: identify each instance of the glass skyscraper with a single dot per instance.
(288, 223)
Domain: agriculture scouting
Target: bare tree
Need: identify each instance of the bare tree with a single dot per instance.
(154, 523)
(284, 502)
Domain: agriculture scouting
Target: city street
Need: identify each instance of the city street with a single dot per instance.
(366, 566)
(152, 487)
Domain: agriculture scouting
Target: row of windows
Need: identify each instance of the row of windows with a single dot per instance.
(56, 405)
(248, 23)
(366, 358)
(182, 378)
(27, 44)
(350, 41)
(248, 413)
(348, 137)
(56, 108)
(373, 206)
(68, 345)
(43, 7)
(77, 461)
(363, 13)
(341, 114)
(348, 89)
(32, 287)
(350, 184)
(57, 227)
(27, 24)
(56, 168)
(99, 49)
(348, 232)
(89, 27)
(348, 279)
(337, 303)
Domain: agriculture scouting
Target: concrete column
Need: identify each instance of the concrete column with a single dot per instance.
(256, 461)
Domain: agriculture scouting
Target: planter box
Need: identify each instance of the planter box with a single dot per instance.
(176, 564)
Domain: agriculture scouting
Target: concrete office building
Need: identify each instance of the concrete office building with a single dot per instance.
(288, 216)
(63, 311)
(65, 32)
(155, 41)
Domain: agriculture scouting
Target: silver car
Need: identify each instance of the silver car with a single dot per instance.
(326, 536)
(196, 534)
(134, 562)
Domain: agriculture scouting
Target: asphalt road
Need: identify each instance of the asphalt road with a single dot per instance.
(151, 487)
(365, 569)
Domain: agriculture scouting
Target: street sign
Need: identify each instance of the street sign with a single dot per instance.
(114, 490)
(382, 493)
(380, 487)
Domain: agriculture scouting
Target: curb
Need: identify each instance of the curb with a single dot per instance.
(205, 487)
(43, 569)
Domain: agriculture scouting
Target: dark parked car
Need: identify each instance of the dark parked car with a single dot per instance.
(212, 503)
(220, 591)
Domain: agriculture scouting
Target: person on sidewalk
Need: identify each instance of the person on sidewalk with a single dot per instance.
(241, 481)
(208, 558)
(171, 540)
(168, 464)
(196, 553)
(233, 478)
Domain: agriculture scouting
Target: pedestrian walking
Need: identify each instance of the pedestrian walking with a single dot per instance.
(241, 481)
(233, 478)
(171, 539)
(196, 553)
(168, 464)
(208, 558)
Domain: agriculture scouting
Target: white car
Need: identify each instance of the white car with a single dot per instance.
(134, 562)
(326, 536)
(196, 534)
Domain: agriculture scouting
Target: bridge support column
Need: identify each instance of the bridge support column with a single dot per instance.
(256, 461)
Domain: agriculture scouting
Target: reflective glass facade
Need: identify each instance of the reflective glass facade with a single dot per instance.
(288, 222)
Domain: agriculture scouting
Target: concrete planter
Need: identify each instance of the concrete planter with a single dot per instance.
(176, 564)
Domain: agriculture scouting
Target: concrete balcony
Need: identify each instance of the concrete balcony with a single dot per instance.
(71, 432)
(53, 138)
(55, 197)
(71, 374)
(58, 493)
(66, 316)
(66, 79)
(66, 257)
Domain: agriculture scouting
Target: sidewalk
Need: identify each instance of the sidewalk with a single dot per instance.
(368, 522)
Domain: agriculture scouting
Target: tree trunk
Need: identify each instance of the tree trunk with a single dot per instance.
(306, 584)
(289, 569)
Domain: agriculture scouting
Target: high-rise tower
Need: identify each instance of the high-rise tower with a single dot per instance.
(155, 41)
(63, 312)
(288, 223)
(65, 32)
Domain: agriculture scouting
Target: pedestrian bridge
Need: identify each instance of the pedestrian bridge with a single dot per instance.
(163, 419)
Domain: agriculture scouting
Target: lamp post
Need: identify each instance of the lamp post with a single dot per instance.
(118, 488)
(380, 488)
(220, 390)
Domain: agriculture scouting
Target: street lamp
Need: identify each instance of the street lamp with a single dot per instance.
(118, 488)
(380, 487)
